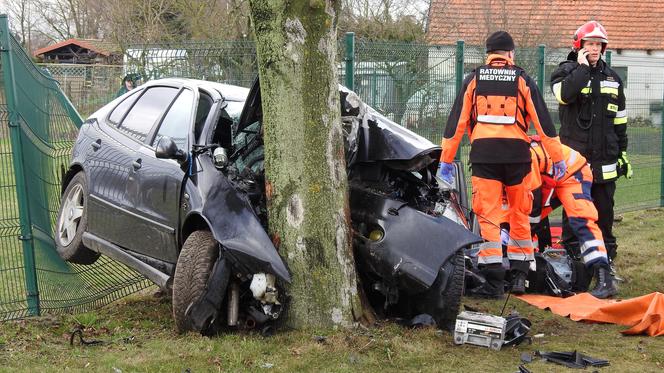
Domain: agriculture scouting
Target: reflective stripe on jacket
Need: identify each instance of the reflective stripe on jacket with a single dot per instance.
(496, 136)
(593, 115)
(541, 180)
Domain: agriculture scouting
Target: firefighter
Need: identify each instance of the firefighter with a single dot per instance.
(593, 121)
(496, 105)
(573, 192)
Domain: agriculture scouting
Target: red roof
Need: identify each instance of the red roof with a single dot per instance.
(637, 24)
(98, 46)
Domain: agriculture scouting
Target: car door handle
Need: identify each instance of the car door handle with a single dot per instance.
(96, 145)
(137, 164)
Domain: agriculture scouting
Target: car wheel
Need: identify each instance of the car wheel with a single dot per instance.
(193, 269)
(443, 299)
(72, 222)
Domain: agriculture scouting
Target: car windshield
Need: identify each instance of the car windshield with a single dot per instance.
(234, 109)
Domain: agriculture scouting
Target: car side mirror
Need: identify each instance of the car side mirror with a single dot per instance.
(220, 157)
(167, 149)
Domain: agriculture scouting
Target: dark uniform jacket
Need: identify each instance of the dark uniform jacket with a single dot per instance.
(592, 114)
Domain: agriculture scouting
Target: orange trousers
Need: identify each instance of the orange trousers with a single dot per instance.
(574, 194)
(488, 207)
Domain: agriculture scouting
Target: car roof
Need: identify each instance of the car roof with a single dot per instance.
(230, 92)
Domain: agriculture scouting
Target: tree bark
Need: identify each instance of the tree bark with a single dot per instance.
(304, 158)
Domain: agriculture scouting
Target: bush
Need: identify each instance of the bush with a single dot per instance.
(640, 122)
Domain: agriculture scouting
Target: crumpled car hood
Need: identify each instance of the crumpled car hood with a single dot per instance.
(371, 137)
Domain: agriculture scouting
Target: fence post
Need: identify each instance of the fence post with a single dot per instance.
(661, 159)
(459, 65)
(26, 237)
(459, 77)
(608, 58)
(541, 60)
(350, 60)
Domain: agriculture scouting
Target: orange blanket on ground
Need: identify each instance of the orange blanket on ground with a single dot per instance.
(644, 314)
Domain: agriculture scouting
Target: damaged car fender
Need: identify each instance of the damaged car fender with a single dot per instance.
(410, 246)
(233, 222)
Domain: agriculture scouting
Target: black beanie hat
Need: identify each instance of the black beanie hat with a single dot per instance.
(499, 41)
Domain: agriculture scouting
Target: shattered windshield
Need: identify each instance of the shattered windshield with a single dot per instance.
(249, 145)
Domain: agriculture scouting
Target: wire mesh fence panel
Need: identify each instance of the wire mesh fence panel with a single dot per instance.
(38, 128)
(231, 62)
(412, 84)
(644, 130)
(13, 302)
(88, 87)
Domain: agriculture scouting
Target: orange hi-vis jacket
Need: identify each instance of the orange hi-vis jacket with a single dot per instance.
(497, 103)
(542, 183)
(542, 165)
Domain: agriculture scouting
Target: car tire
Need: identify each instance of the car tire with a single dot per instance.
(443, 300)
(193, 269)
(72, 222)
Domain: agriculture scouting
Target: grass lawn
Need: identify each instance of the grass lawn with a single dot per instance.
(138, 334)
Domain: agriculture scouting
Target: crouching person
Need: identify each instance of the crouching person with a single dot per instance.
(573, 192)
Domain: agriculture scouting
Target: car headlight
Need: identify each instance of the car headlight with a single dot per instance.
(376, 235)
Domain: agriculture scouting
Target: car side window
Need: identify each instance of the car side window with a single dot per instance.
(177, 120)
(204, 106)
(119, 112)
(142, 117)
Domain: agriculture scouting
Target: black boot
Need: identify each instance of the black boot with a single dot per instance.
(611, 250)
(518, 282)
(518, 274)
(494, 285)
(604, 283)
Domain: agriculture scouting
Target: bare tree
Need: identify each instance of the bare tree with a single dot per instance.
(65, 19)
(403, 20)
(215, 19)
(22, 20)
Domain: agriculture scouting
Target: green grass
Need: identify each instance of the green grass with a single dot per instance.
(138, 334)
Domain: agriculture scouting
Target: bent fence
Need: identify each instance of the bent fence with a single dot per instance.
(413, 84)
(38, 126)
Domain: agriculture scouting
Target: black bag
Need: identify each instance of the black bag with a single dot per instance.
(557, 274)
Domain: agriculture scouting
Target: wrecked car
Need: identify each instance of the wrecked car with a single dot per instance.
(168, 179)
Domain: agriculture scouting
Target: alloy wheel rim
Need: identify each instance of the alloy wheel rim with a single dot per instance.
(70, 216)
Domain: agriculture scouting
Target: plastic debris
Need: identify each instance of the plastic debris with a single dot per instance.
(572, 359)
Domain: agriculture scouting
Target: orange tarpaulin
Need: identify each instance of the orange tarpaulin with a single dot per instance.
(644, 314)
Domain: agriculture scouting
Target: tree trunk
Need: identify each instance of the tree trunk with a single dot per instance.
(304, 158)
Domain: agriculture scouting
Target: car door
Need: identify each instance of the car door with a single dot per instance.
(158, 182)
(108, 165)
(114, 218)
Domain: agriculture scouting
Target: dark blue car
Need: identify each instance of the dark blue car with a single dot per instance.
(168, 179)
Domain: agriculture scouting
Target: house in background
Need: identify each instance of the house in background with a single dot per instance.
(81, 51)
(635, 29)
(89, 71)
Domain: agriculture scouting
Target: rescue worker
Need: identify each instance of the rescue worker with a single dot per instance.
(496, 105)
(593, 121)
(573, 192)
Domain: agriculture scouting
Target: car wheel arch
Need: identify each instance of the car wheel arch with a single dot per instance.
(69, 175)
(194, 222)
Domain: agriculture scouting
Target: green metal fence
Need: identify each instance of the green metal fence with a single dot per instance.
(88, 87)
(38, 126)
(413, 84)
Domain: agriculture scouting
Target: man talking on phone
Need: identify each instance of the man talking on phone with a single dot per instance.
(593, 121)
